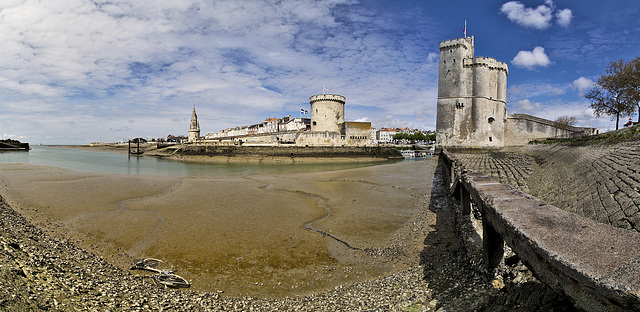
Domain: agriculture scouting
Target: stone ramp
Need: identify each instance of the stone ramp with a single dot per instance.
(595, 264)
(600, 182)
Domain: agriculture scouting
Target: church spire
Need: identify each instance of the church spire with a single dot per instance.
(194, 120)
(194, 128)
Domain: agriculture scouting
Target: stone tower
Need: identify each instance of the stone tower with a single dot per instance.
(194, 128)
(327, 112)
(472, 94)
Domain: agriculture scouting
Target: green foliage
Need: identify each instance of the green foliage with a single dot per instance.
(10, 141)
(418, 136)
(617, 91)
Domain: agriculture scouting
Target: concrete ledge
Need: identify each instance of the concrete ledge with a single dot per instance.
(282, 151)
(595, 264)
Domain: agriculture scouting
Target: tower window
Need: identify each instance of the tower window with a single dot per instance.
(490, 140)
(454, 61)
(491, 119)
(445, 62)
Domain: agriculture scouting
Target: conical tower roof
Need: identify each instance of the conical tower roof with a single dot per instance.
(194, 120)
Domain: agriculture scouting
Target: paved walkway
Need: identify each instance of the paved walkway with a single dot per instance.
(506, 167)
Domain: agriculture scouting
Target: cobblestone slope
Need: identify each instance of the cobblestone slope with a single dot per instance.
(598, 180)
(506, 167)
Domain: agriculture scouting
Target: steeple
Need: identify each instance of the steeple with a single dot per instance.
(194, 128)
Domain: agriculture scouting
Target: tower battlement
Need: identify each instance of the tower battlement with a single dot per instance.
(468, 41)
(327, 97)
(489, 62)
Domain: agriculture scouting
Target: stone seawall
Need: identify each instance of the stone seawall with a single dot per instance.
(593, 263)
(597, 180)
(600, 182)
(284, 151)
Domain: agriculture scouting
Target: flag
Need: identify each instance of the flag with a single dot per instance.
(324, 89)
(465, 29)
(303, 111)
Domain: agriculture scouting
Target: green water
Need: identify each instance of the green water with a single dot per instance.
(101, 162)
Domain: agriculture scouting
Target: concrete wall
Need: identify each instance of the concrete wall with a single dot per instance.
(357, 133)
(317, 138)
(520, 129)
(595, 264)
(287, 151)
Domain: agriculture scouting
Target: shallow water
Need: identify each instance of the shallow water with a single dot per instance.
(101, 162)
(263, 230)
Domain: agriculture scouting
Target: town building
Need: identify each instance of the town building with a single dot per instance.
(326, 127)
(385, 135)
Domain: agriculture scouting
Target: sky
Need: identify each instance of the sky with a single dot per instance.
(80, 71)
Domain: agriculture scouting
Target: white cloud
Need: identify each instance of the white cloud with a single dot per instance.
(538, 18)
(581, 84)
(531, 59)
(93, 62)
(564, 17)
(526, 107)
(588, 113)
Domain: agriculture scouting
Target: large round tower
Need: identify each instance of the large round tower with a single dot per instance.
(327, 112)
(471, 97)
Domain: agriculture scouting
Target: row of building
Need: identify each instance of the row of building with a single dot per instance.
(325, 127)
(268, 126)
(288, 124)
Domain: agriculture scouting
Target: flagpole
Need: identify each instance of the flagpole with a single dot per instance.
(465, 28)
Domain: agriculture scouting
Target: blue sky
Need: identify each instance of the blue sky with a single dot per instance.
(76, 71)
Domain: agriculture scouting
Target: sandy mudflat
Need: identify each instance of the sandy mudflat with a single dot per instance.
(263, 236)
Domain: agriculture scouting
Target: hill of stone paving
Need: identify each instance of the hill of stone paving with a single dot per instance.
(597, 177)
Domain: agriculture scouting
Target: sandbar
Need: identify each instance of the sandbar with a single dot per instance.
(260, 235)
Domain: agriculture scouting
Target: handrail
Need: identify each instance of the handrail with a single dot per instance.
(595, 264)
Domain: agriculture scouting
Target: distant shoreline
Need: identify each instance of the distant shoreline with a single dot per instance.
(251, 154)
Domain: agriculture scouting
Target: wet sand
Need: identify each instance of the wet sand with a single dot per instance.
(262, 236)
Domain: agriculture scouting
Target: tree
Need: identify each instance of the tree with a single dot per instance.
(564, 122)
(634, 83)
(612, 94)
